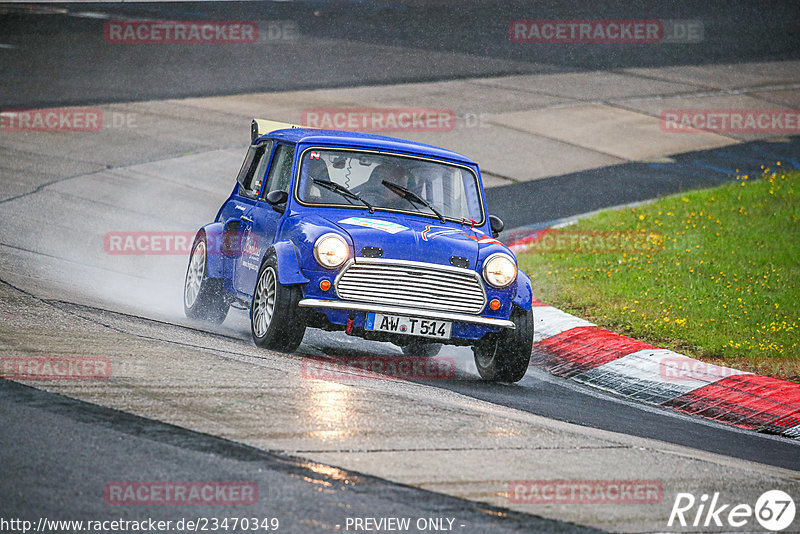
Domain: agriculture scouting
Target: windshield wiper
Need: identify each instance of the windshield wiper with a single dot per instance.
(342, 190)
(412, 197)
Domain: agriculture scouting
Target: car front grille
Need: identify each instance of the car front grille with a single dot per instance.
(409, 283)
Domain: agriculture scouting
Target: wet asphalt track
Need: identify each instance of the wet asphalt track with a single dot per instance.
(56, 55)
(58, 454)
(80, 446)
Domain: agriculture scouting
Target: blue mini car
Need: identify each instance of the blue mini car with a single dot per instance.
(384, 238)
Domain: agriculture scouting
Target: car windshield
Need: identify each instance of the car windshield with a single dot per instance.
(388, 182)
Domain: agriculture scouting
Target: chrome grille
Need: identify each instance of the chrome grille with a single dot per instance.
(410, 283)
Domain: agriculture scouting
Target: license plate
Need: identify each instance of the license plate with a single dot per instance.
(410, 326)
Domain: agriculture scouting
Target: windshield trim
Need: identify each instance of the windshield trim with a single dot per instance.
(296, 188)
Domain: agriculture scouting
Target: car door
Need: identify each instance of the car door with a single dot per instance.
(259, 222)
(238, 215)
(250, 179)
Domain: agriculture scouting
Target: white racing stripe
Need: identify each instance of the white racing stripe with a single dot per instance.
(549, 321)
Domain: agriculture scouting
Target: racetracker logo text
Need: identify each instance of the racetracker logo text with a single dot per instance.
(148, 243)
(780, 121)
(180, 493)
(179, 243)
(558, 241)
(586, 31)
(180, 32)
(64, 120)
(684, 369)
(378, 368)
(585, 491)
(599, 31)
(380, 119)
(51, 120)
(55, 367)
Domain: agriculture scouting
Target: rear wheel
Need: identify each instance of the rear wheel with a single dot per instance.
(276, 321)
(504, 357)
(203, 297)
(421, 348)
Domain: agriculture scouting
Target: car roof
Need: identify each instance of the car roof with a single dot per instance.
(364, 140)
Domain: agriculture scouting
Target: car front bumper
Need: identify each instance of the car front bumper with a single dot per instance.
(401, 310)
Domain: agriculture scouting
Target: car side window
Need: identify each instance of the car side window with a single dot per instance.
(252, 172)
(280, 173)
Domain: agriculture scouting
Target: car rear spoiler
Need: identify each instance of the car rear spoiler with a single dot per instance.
(260, 127)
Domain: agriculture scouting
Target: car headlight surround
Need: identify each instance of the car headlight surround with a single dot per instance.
(499, 270)
(331, 250)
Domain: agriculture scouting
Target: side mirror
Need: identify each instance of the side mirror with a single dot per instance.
(497, 225)
(276, 198)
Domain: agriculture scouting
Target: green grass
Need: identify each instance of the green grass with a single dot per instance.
(712, 274)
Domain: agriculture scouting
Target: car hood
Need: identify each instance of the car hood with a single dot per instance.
(407, 238)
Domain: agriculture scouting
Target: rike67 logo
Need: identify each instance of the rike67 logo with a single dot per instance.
(774, 511)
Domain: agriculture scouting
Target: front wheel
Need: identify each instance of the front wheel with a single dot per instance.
(276, 321)
(203, 298)
(504, 357)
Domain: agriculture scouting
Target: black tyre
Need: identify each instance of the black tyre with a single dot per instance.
(504, 357)
(276, 321)
(203, 298)
(422, 348)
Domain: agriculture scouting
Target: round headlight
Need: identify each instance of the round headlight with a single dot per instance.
(331, 251)
(499, 270)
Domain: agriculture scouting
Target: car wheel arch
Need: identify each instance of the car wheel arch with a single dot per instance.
(214, 233)
(289, 272)
(523, 296)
